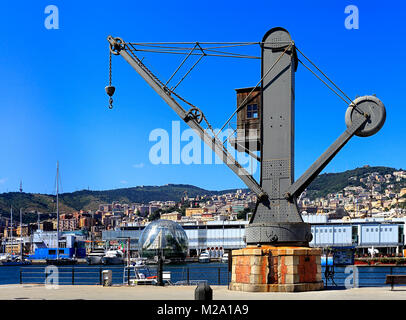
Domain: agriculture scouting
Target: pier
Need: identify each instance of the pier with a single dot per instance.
(85, 292)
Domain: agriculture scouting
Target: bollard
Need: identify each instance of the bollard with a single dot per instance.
(203, 292)
(107, 278)
(160, 281)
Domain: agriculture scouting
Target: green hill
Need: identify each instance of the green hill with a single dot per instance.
(90, 200)
(334, 182)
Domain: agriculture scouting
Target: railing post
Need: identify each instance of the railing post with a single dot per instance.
(100, 276)
(21, 277)
(218, 275)
(128, 275)
(187, 276)
(73, 276)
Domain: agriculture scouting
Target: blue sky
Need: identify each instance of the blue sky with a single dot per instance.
(53, 105)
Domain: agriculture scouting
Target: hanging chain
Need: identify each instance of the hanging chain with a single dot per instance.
(109, 68)
(110, 89)
(110, 77)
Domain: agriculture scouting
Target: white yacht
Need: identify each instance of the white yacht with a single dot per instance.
(224, 258)
(204, 257)
(113, 257)
(95, 257)
(4, 257)
(138, 261)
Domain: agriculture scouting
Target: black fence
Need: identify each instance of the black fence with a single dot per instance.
(93, 275)
(354, 276)
(361, 276)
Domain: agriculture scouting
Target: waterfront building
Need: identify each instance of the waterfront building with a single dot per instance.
(68, 223)
(22, 231)
(173, 216)
(44, 244)
(212, 234)
(386, 235)
(195, 211)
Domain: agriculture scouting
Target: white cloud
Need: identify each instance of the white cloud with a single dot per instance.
(123, 181)
(138, 165)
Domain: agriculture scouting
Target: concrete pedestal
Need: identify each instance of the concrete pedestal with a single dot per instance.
(276, 269)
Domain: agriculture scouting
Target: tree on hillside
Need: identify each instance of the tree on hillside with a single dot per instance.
(243, 213)
(155, 215)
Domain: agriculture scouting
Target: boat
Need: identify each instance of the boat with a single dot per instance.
(59, 260)
(15, 262)
(7, 259)
(113, 257)
(95, 256)
(204, 257)
(224, 258)
(140, 275)
(138, 261)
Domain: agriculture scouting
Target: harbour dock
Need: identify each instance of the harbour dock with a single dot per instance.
(85, 292)
(44, 262)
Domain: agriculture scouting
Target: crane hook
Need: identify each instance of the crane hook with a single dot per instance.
(110, 91)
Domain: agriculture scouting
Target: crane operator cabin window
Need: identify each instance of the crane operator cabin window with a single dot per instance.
(252, 111)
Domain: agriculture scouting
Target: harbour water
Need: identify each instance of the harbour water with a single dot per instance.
(213, 273)
(190, 273)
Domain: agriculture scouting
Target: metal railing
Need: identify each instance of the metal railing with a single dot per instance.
(368, 276)
(92, 275)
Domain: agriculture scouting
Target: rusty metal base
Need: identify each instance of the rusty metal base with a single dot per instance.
(276, 269)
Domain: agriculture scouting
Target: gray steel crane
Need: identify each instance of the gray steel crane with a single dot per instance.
(276, 219)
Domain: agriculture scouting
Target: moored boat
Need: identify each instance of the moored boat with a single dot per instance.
(95, 256)
(7, 259)
(113, 257)
(61, 261)
(204, 257)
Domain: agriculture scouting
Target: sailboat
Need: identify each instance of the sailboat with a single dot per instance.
(11, 259)
(59, 260)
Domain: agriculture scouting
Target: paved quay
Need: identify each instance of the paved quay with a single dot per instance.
(84, 292)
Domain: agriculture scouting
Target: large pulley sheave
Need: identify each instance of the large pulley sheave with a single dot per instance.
(370, 107)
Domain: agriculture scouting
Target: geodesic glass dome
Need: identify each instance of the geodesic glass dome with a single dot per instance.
(166, 235)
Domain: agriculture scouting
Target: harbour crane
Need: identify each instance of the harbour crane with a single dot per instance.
(276, 219)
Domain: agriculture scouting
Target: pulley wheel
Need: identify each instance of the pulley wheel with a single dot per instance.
(196, 114)
(375, 110)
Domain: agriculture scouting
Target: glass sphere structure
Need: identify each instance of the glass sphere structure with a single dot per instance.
(165, 235)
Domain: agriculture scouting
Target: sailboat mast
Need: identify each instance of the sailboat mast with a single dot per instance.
(21, 234)
(11, 228)
(57, 210)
